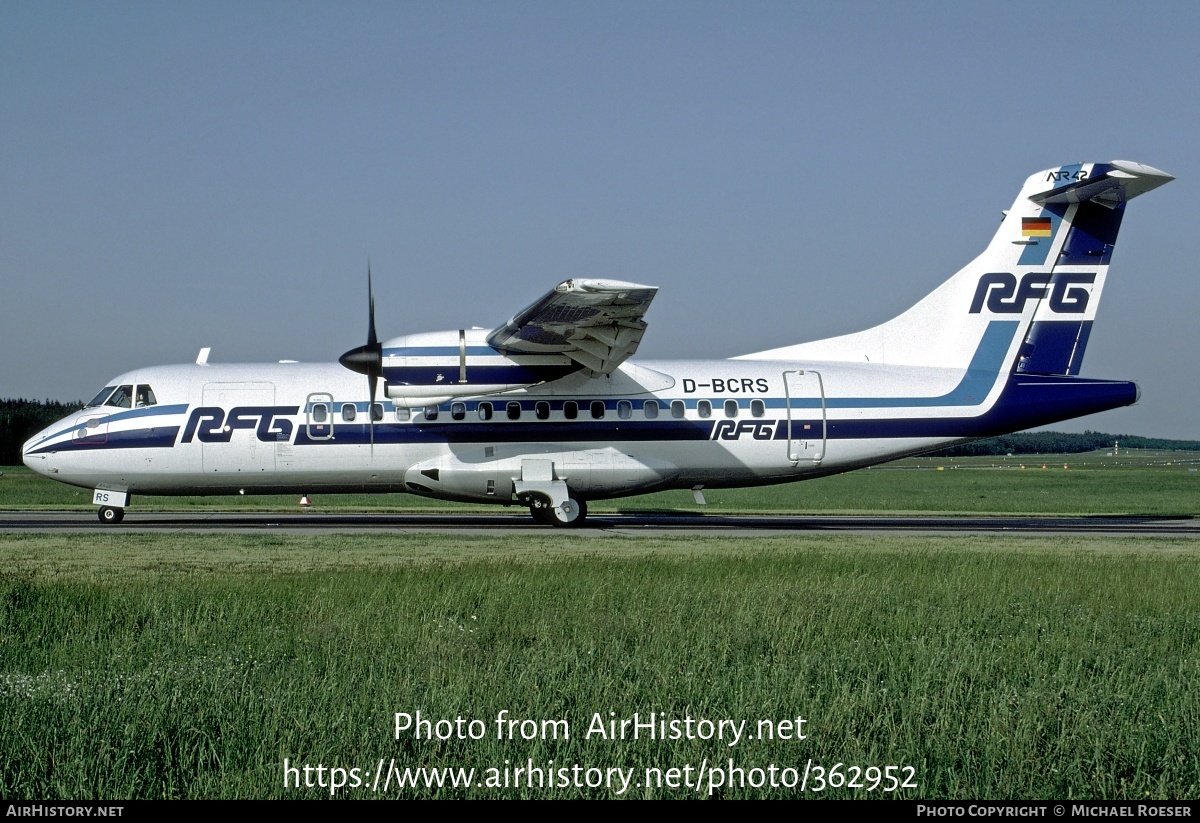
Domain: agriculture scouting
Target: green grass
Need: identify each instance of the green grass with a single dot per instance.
(1134, 483)
(192, 666)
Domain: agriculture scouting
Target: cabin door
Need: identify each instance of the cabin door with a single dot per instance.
(807, 427)
(237, 449)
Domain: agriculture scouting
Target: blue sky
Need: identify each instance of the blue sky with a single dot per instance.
(178, 175)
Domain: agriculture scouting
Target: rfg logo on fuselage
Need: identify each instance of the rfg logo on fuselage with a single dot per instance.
(1004, 295)
(734, 429)
(211, 425)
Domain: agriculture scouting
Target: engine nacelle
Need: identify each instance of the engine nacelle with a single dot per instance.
(435, 366)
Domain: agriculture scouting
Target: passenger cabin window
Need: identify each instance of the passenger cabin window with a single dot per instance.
(513, 410)
(542, 410)
(650, 408)
(402, 414)
(320, 413)
(485, 411)
(144, 397)
(431, 412)
(99, 399)
(122, 398)
(757, 408)
(597, 409)
(624, 409)
(458, 410)
(376, 412)
(349, 412)
(677, 408)
(704, 408)
(731, 408)
(570, 410)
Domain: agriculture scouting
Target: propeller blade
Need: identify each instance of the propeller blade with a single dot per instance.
(371, 338)
(368, 358)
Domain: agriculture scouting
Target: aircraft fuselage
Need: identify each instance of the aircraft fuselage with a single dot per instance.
(305, 428)
(548, 411)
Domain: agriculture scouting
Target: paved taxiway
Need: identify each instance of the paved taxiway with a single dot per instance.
(646, 523)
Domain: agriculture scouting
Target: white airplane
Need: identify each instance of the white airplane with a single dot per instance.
(546, 410)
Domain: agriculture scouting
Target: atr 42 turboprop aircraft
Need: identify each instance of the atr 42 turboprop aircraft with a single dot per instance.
(546, 411)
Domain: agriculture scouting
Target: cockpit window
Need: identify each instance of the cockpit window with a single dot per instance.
(99, 399)
(121, 398)
(145, 396)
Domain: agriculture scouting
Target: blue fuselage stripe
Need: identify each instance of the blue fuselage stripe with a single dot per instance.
(972, 390)
(115, 417)
(157, 438)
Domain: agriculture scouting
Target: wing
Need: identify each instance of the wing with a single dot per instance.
(596, 323)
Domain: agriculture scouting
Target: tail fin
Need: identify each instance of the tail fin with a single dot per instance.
(1038, 282)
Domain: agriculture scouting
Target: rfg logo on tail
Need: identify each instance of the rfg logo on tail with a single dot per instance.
(1004, 295)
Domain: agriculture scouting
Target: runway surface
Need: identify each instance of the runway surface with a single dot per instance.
(644, 523)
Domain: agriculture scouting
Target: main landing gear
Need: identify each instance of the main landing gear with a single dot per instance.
(571, 513)
(111, 515)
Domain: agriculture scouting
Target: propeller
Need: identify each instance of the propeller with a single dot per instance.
(368, 359)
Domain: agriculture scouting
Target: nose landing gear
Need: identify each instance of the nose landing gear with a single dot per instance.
(111, 515)
(112, 505)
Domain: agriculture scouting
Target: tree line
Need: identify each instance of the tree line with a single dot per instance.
(1062, 443)
(21, 419)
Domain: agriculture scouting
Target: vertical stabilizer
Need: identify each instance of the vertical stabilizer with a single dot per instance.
(1039, 281)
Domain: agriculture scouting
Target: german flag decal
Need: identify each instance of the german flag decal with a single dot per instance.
(1035, 227)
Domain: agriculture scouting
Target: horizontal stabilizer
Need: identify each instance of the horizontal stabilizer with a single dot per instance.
(1108, 184)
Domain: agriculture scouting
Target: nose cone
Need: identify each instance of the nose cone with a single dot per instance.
(44, 451)
(31, 458)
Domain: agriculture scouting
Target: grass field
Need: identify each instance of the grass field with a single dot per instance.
(193, 666)
(1133, 482)
(206, 666)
